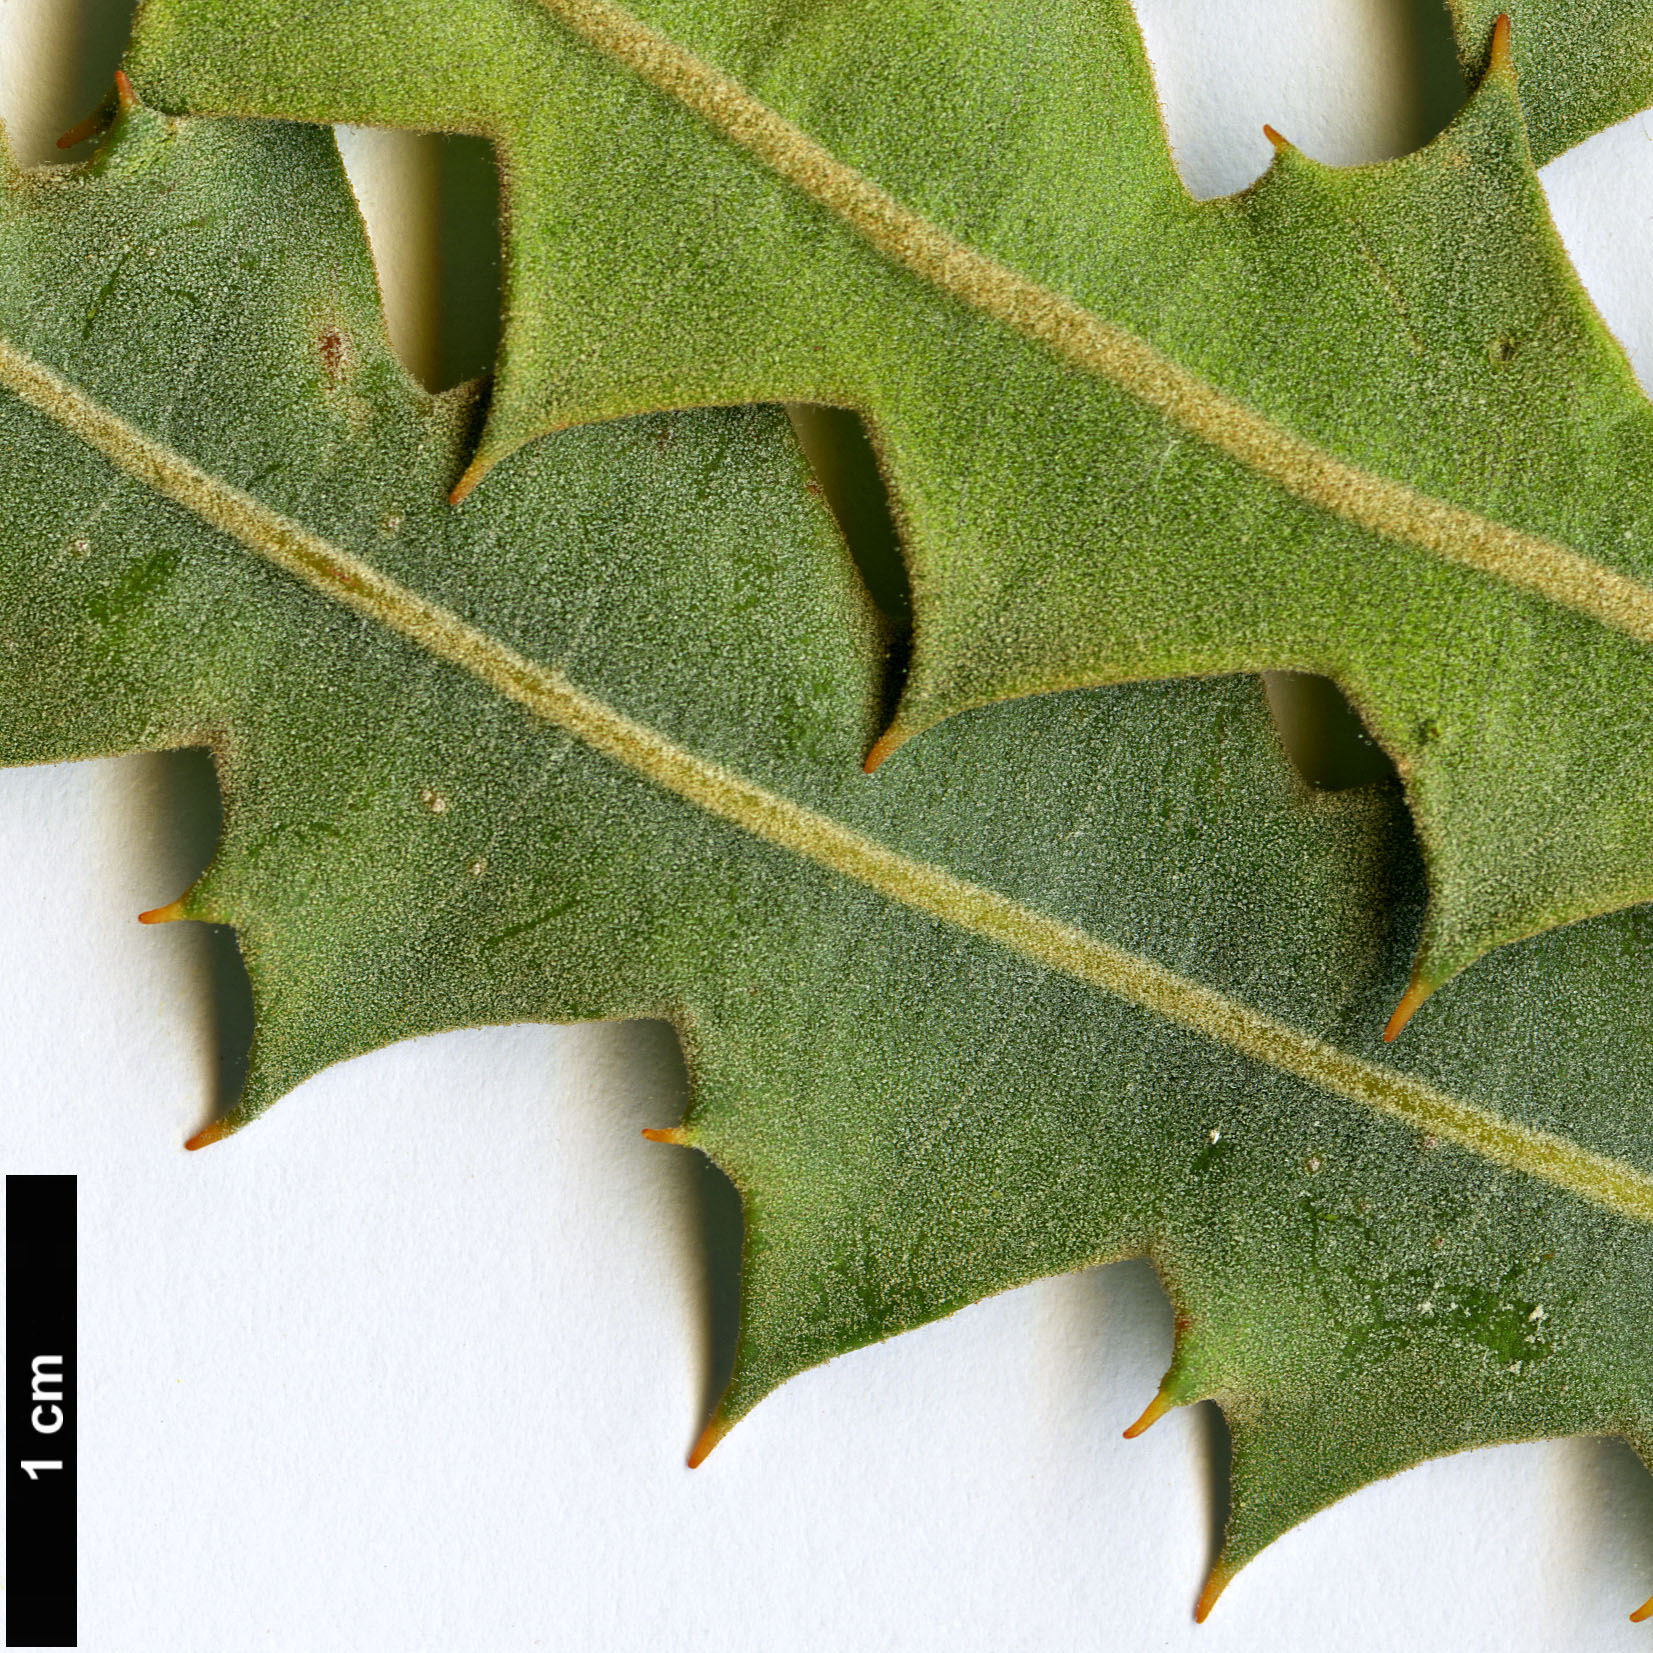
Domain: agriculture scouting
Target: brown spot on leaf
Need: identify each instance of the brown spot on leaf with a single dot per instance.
(331, 346)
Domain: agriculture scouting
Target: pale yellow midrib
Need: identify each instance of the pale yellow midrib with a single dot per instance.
(1309, 473)
(347, 579)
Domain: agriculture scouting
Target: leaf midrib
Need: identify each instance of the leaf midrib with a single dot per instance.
(921, 886)
(1309, 473)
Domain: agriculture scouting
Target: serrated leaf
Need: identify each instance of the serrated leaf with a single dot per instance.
(1582, 65)
(1363, 423)
(1088, 975)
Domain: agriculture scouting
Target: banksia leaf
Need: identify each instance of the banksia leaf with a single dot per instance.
(1085, 975)
(1364, 423)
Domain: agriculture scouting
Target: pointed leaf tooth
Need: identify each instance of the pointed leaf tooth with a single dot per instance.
(93, 124)
(1180, 1386)
(1151, 1414)
(886, 746)
(169, 914)
(215, 1131)
(674, 1136)
(202, 901)
(1583, 67)
(1217, 1581)
(1413, 1000)
(259, 1091)
(708, 1438)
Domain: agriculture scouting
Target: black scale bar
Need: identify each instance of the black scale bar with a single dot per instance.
(40, 1412)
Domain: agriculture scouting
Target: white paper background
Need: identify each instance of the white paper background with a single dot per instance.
(414, 1362)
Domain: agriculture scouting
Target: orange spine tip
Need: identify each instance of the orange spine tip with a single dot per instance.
(82, 130)
(1643, 1613)
(215, 1132)
(474, 473)
(168, 914)
(674, 1137)
(1405, 1010)
(1501, 44)
(1214, 1587)
(1281, 145)
(123, 91)
(1157, 1408)
(887, 743)
(709, 1437)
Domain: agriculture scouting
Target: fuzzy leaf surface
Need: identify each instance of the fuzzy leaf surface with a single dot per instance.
(1089, 975)
(1364, 423)
(1582, 66)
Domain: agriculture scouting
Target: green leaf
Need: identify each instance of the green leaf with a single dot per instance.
(1582, 66)
(1361, 423)
(1085, 976)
